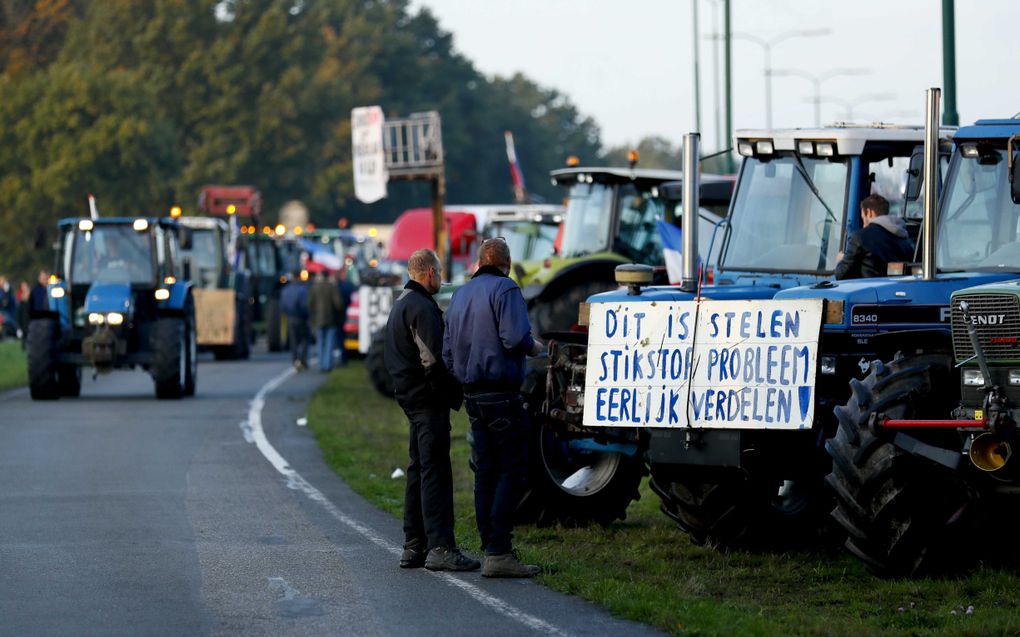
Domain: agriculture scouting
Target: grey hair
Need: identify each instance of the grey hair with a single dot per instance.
(494, 252)
(420, 262)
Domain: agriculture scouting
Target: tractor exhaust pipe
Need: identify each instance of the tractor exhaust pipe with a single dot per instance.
(691, 204)
(931, 182)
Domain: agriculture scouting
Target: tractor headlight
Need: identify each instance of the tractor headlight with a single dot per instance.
(115, 318)
(1014, 377)
(974, 378)
(162, 294)
(57, 293)
(95, 318)
(827, 365)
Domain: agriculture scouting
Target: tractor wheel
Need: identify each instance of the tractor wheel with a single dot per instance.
(191, 352)
(573, 486)
(69, 379)
(899, 511)
(41, 345)
(170, 357)
(559, 313)
(375, 363)
(275, 340)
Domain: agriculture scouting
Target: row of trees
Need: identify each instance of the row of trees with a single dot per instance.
(142, 103)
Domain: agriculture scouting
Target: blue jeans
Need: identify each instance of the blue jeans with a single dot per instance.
(499, 429)
(327, 342)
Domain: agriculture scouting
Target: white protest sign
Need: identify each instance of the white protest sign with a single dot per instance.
(373, 309)
(713, 364)
(369, 160)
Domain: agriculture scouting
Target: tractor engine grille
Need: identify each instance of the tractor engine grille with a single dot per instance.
(997, 318)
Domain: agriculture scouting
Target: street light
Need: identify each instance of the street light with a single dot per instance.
(766, 45)
(817, 80)
(850, 104)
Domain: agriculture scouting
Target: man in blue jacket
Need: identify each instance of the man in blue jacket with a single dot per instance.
(487, 338)
(294, 303)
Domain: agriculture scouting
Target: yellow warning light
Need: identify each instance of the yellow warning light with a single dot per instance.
(298, 230)
(372, 232)
(266, 230)
(304, 275)
(175, 212)
(280, 229)
(373, 263)
(53, 278)
(632, 157)
(170, 280)
(231, 209)
(573, 161)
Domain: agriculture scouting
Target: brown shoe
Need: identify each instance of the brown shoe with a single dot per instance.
(444, 558)
(413, 556)
(508, 565)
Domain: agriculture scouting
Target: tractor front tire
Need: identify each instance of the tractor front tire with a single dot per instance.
(42, 347)
(375, 363)
(900, 512)
(170, 357)
(558, 312)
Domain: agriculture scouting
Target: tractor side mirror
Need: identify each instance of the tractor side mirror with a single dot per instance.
(184, 236)
(915, 176)
(186, 269)
(1014, 168)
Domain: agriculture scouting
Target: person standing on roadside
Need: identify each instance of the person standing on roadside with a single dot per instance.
(488, 336)
(346, 289)
(294, 303)
(37, 301)
(324, 309)
(8, 307)
(24, 290)
(424, 388)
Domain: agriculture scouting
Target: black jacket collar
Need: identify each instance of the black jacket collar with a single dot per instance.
(414, 286)
(488, 269)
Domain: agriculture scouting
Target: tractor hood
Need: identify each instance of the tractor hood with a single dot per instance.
(109, 297)
(998, 287)
(899, 302)
(667, 293)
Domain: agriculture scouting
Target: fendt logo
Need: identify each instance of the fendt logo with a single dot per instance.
(988, 319)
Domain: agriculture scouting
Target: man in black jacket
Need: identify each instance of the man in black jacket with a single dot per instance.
(423, 387)
(882, 240)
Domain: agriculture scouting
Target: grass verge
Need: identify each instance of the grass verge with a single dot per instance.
(645, 569)
(13, 372)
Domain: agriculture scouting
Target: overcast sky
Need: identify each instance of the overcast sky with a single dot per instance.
(629, 63)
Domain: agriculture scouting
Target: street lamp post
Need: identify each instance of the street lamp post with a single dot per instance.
(766, 45)
(849, 105)
(816, 81)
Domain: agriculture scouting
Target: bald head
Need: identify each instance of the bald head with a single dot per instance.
(494, 252)
(425, 268)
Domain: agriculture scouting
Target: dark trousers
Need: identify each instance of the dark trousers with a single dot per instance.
(428, 497)
(299, 334)
(499, 429)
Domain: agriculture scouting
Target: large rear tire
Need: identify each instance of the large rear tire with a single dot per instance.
(901, 512)
(275, 341)
(558, 313)
(375, 363)
(191, 352)
(42, 347)
(170, 357)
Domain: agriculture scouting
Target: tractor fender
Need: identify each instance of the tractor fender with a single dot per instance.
(104, 297)
(179, 293)
(582, 270)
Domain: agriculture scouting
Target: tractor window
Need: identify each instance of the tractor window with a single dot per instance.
(112, 253)
(638, 238)
(589, 217)
(779, 223)
(206, 257)
(978, 219)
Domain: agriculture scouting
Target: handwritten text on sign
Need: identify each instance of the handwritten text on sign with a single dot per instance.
(723, 364)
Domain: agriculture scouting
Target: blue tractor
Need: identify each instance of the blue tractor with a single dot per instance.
(118, 299)
(796, 199)
(926, 438)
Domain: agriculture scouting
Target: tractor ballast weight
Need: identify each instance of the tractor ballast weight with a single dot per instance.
(117, 300)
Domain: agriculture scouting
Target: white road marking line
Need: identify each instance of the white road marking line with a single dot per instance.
(253, 432)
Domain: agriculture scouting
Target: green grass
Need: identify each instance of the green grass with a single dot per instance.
(646, 570)
(13, 372)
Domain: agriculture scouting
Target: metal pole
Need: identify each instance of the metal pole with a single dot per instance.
(439, 223)
(818, 102)
(768, 85)
(931, 180)
(727, 57)
(691, 203)
(720, 142)
(950, 117)
(697, 72)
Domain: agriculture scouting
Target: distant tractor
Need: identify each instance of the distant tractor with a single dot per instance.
(118, 299)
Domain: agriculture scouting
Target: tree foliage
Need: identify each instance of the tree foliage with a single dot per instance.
(142, 103)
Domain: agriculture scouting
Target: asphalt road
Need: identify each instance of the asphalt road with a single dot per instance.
(121, 514)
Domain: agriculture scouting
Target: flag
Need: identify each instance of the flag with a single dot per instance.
(321, 255)
(672, 250)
